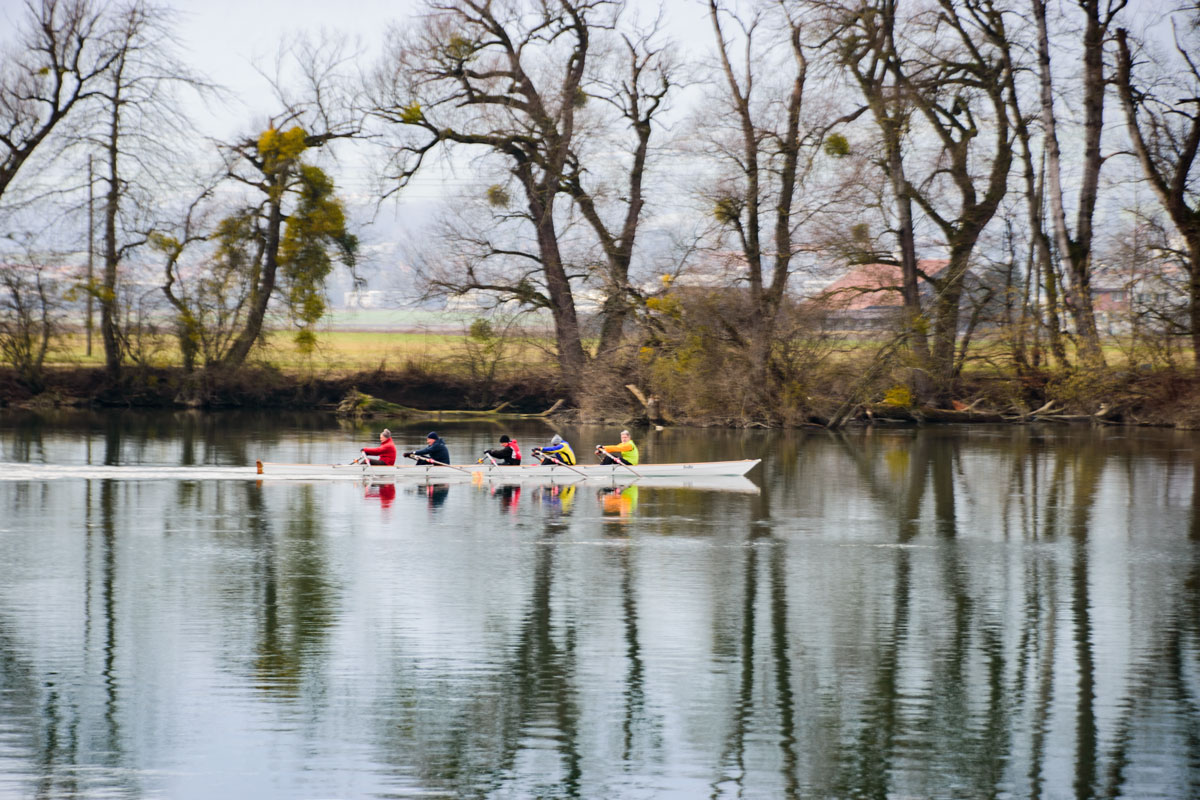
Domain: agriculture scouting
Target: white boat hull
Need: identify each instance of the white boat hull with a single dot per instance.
(556, 473)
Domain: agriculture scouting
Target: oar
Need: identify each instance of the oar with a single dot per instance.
(428, 460)
(553, 458)
(600, 449)
(489, 458)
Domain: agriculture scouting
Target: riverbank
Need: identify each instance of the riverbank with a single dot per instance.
(1161, 398)
(268, 387)
(1165, 397)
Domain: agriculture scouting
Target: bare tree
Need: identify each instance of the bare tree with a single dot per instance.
(769, 155)
(139, 129)
(642, 76)
(864, 40)
(507, 79)
(60, 58)
(946, 78)
(1162, 113)
(512, 82)
(1076, 250)
(1041, 275)
(204, 298)
(1143, 255)
(30, 319)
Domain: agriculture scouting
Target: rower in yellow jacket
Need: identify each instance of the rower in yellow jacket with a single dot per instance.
(624, 453)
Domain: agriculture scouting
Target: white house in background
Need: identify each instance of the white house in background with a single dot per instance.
(587, 301)
(373, 298)
(1142, 291)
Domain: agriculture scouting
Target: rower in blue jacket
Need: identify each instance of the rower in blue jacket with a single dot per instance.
(434, 451)
(558, 452)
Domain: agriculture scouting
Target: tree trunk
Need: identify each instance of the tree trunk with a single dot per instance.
(1041, 245)
(1193, 245)
(1076, 252)
(264, 287)
(945, 322)
(571, 356)
(911, 289)
(612, 325)
(109, 309)
(1040, 257)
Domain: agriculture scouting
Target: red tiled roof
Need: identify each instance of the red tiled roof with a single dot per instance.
(873, 286)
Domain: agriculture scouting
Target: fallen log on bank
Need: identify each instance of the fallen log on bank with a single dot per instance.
(359, 405)
(886, 413)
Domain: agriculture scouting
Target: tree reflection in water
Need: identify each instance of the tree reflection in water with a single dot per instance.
(931, 613)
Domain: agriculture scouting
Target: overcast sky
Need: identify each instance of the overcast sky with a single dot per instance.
(226, 39)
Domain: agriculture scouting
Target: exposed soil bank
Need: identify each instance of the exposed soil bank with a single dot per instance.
(1115, 397)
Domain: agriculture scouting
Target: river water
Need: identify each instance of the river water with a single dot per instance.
(934, 613)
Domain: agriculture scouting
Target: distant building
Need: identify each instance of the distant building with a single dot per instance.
(1122, 295)
(373, 298)
(866, 297)
(871, 295)
(475, 302)
(587, 301)
(720, 270)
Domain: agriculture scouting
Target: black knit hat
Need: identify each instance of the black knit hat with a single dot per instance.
(504, 439)
(431, 435)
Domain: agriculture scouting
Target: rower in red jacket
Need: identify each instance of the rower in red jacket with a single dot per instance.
(385, 454)
(508, 454)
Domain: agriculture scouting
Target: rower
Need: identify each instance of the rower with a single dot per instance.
(384, 455)
(434, 451)
(557, 452)
(508, 454)
(624, 453)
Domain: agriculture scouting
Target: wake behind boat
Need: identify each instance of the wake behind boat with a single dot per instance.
(555, 472)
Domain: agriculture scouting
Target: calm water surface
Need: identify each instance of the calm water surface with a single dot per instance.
(943, 613)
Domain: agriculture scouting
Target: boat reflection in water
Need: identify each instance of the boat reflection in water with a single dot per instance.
(385, 492)
(435, 494)
(617, 501)
(556, 499)
(509, 495)
(620, 502)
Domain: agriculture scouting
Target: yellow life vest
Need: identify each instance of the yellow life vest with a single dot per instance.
(627, 450)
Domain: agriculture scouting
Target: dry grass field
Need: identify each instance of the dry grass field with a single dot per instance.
(341, 351)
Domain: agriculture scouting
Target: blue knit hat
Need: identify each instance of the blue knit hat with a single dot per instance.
(431, 435)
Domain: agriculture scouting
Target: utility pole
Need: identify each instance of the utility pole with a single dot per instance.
(91, 253)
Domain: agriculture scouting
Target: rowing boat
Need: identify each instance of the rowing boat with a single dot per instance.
(555, 472)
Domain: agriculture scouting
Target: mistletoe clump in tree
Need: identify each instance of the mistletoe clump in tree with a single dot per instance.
(282, 246)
